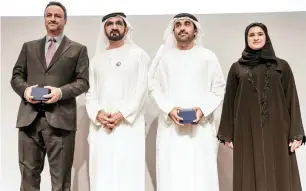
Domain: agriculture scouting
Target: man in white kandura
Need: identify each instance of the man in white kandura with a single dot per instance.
(185, 75)
(114, 102)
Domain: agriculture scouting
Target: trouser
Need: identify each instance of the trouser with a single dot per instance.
(37, 140)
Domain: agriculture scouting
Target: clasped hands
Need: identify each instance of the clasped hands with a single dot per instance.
(176, 119)
(53, 96)
(109, 120)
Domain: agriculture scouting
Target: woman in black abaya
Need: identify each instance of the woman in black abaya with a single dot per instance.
(261, 119)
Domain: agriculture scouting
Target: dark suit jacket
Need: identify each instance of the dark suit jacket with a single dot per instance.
(68, 70)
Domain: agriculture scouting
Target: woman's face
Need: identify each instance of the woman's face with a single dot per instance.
(256, 38)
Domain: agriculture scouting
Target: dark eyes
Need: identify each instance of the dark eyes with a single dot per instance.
(116, 23)
(55, 15)
(187, 23)
(259, 34)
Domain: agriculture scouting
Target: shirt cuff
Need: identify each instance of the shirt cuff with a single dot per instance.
(61, 94)
(24, 93)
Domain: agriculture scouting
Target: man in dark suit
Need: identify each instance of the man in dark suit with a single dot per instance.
(48, 127)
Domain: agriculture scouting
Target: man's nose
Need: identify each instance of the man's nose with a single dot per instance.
(52, 17)
(182, 28)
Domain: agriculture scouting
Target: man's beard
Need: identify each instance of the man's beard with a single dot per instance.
(115, 35)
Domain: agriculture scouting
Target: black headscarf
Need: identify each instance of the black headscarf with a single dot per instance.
(254, 57)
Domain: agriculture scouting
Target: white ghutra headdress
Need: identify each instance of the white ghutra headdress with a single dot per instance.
(103, 42)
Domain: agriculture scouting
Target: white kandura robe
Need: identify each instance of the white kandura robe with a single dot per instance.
(187, 156)
(118, 82)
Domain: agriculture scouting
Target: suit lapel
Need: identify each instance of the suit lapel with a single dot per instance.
(63, 47)
(40, 49)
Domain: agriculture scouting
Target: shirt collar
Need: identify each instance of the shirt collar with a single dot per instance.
(58, 38)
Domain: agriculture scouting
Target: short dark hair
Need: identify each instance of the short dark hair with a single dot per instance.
(59, 4)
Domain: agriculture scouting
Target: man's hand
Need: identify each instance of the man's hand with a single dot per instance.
(294, 145)
(27, 95)
(103, 117)
(199, 114)
(115, 120)
(229, 145)
(53, 96)
(174, 116)
(110, 121)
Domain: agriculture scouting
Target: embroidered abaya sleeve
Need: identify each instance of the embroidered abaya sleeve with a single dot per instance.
(296, 127)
